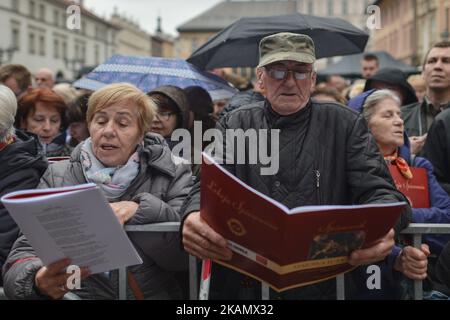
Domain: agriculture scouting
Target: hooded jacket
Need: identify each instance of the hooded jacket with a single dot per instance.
(22, 165)
(159, 188)
(395, 77)
(178, 96)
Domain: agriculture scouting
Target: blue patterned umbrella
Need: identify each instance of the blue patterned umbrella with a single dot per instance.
(148, 73)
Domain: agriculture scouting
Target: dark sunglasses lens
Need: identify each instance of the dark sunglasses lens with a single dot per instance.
(278, 74)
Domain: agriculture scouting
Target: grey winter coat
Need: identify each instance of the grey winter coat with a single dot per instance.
(160, 188)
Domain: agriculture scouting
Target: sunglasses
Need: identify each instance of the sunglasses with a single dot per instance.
(281, 74)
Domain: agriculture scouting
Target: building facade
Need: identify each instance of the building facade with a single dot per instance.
(131, 39)
(163, 45)
(37, 32)
(353, 11)
(410, 27)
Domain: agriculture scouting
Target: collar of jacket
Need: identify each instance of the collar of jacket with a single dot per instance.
(278, 121)
(26, 151)
(155, 155)
(431, 108)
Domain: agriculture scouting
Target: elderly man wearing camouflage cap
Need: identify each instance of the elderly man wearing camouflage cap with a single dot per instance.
(326, 154)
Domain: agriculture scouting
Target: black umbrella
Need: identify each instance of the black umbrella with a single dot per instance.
(237, 44)
(350, 66)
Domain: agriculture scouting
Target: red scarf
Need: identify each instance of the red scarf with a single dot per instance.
(400, 163)
(3, 145)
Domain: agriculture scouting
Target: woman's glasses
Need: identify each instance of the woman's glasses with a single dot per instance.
(164, 115)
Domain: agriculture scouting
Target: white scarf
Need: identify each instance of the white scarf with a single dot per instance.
(113, 181)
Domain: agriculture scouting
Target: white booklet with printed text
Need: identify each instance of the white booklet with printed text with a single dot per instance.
(72, 222)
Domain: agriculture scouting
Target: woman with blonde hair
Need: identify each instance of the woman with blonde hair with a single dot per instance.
(144, 184)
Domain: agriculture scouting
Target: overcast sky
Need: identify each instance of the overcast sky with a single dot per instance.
(145, 12)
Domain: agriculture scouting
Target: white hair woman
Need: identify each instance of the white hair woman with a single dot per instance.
(382, 113)
(22, 166)
(143, 183)
(8, 110)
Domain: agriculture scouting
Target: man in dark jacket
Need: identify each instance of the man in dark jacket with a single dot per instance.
(437, 148)
(327, 156)
(22, 166)
(419, 116)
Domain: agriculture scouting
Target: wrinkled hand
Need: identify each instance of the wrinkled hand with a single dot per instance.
(413, 262)
(417, 143)
(51, 280)
(377, 252)
(200, 240)
(124, 210)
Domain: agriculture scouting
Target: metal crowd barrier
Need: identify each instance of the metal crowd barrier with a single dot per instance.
(417, 230)
(159, 227)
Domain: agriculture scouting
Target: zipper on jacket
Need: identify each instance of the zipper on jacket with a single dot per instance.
(317, 175)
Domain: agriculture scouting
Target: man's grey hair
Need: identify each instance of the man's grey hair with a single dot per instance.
(8, 109)
(374, 99)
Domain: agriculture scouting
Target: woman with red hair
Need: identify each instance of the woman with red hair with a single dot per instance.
(42, 112)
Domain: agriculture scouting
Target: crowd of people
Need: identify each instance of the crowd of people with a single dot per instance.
(337, 140)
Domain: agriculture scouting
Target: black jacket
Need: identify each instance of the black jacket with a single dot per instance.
(441, 278)
(437, 148)
(242, 98)
(338, 146)
(21, 167)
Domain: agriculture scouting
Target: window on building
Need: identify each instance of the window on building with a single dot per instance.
(194, 44)
(63, 19)
(55, 17)
(311, 7)
(42, 45)
(32, 8)
(83, 53)
(15, 4)
(77, 51)
(330, 8)
(15, 36)
(97, 54)
(56, 53)
(64, 49)
(31, 43)
(344, 7)
(83, 27)
(42, 12)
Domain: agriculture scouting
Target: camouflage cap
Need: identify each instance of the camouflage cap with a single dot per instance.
(286, 46)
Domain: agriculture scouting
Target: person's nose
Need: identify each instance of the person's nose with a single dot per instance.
(438, 64)
(157, 118)
(290, 78)
(398, 120)
(109, 129)
(47, 125)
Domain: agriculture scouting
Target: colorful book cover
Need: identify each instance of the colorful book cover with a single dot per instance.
(415, 189)
(287, 248)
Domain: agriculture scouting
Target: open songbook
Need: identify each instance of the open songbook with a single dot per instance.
(72, 222)
(283, 247)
